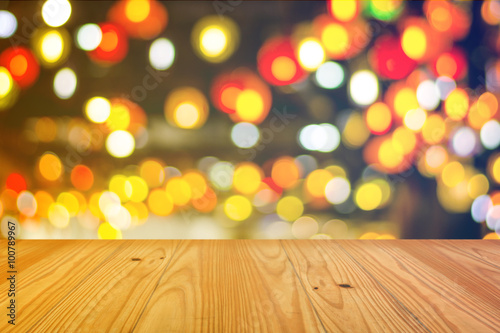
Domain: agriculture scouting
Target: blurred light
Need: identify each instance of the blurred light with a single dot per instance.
(415, 119)
(161, 54)
(337, 190)
(487, 105)
(152, 172)
(179, 190)
(160, 202)
(285, 172)
(221, 175)
(480, 208)
(337, 229)
(215, 38)
(8, 24)
(52, 46)
(50, 166)
(414, 42)
(390, 154)
(107, 231)
(368, 196)
(355, 132)
(330, 75)
(457, 104)
(403, 140)
(6, 82)
(405, 99)
(98, 109)
(464, 141)
(249, 106)
(452, 64)
(245, 135)
(56, 12)
(43, 200)
(435, 158)
(238, 208)
(121, 219)
(247, 178)
(453, 173)
(445, 86)
(363, 87)
(138, 189)
(26, 204)
(65, 82)
(120, 144)
(137, 10)
(305, 227)
(283, 68)
(493, 218)
(109, 203)
(113, 46)
(343, 10)
(197, 183)
(490, 134)
(88, 37)
(22, 65)
(119, 117)
(378, 118)
(386, 52)
(82, 177)
(58, 215)
(323, 137)
(477, 185)
(434, 129)
(428, 95)
(70, 202)
(186, 107)
(289, 208)
(316, 182)
(311, 54)
(386, 10)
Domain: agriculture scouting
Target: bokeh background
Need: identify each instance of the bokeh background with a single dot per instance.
(232, 119)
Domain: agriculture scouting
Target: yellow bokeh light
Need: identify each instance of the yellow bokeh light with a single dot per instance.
(215, 38)
(305, 227)
(316, 182)
(378, 117)
(477, 185)
(355, 131)
(434, 129)
(58, 215)
(160, 202)
(179, 190)
(6, 82)
(186, 107)
(118, 185)
(119, 117)
(336, 39)
(457, 104)
(495, 169)
(43, 200)
(368, 196)
(152, 172)
(344, 10)
(106, 231)
(52, 46)
(290, 208)
(311, 54)
(70, 202)
(404, 101)
(213, 41)
(137, 189)
(137, 10)
(453, 173)
(435, 158)
(249, 105)
(197, 183)
(238, 208)
(388, 156)
(283, 68)
(414, 42)
(404, 140)
(50, 166)
(247, 178)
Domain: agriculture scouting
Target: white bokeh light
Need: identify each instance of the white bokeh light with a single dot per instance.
(330, 75)
(245, 135)
(428, 95)
(98, 109)
(445, 86)
(161, 54)
(8, 24)
(88, 37)
(120, 144)
(363, 87)
(464, 141)
(337, 190)
(56, 12)
(65, 83)
(490, 134)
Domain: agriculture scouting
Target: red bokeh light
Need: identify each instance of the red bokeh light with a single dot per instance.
(113, 47)
(21, 64)
(16, 182)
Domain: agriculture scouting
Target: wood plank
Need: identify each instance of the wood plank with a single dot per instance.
(229, 286)
(47, 271)
(346, 297)
(487, 250)
(440, 287)
(112, 297)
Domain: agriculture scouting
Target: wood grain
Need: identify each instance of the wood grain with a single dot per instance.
(112, 297)
(229, 286)
(346, 297)
(47, 271)
(447, 290)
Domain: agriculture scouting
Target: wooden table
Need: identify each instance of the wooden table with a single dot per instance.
(254, 286)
